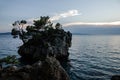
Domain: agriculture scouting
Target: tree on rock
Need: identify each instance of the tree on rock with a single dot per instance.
(42, 39)
(18, 29)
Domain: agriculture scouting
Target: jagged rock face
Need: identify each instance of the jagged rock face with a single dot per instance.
(53, 43)
(49, 69)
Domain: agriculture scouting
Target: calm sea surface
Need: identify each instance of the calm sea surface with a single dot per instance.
(92, 57)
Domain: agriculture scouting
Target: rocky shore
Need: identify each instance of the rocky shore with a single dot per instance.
(48, 69)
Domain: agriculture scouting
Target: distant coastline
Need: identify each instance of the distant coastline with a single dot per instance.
(5, 33)
(9, 33)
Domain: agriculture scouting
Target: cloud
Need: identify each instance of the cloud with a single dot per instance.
(92, 23)
(65, 15)
(58, 16)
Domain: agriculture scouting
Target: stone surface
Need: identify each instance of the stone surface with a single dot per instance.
(49, 69)
(115, 77)
(53, 42)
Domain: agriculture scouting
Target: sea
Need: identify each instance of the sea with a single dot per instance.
(92, 57)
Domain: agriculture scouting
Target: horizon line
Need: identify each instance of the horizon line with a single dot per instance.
(114, 23)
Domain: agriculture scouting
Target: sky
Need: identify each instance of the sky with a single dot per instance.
(98, 13)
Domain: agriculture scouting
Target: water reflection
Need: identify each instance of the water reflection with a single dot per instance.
(94, 57)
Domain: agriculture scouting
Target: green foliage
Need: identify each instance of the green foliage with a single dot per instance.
(42, 22)
(16, 23)
(14, 32)
(41, 28)
(23, 22)
(58, 26)
(29, 28)
(10, 60)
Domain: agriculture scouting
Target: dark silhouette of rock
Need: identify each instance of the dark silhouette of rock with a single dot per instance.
(115, 77)
(42, 39)
(49, 69)
(42, 49)
(55, 43)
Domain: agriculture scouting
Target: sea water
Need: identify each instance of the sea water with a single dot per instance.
(92, 57)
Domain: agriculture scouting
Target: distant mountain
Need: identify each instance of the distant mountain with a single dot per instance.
(79, 34)
(6, 33)
(94, 30)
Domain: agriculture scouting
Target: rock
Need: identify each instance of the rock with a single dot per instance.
(49, 69)
(43, 45)
(115, 77)
(43, 51)
(55, 43)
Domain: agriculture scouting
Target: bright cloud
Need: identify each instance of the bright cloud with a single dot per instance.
(65, 14)
(92, 23)
(58, 16)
